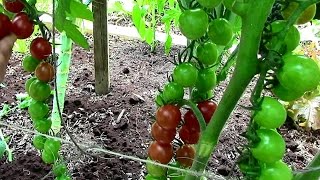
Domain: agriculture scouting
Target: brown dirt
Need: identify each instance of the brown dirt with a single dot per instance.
(92, 119)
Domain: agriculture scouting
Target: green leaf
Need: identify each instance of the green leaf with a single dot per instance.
(79, 10)
(136, 16)
(5, 110)
(25, 103)
(161, 4)
(168, 44)
(149, 35)
(73, 33)
(142, 29)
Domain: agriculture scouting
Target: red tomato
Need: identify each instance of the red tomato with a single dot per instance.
(207, 109)
(168, 116)
(162, 135)
(45, 72)
(185, 155)
(188, 136)
(5, 25)
(13, 6)
(191, 121)
(40, 48)
(22, 26)
(161, 153)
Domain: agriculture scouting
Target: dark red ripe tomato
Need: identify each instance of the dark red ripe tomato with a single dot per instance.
(168, 116)
(13, 6)
(162, 135)
(22, 26)
(185, 155)
(191, 121)
(207, 109)
(188, 136)
(45, 72)
(40, 48)
(5, 25)
(161, 153)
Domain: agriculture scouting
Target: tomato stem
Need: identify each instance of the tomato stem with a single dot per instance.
(196, 112)
(245, 69)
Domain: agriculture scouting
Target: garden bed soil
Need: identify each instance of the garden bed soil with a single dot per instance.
(93, 120)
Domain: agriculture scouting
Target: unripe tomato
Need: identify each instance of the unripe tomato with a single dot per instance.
(207, 53)
(185, 155)
(185, 74)
(271, 114)
(42, 125)
(193, 23)
(270, 148)
(154, 170)
(48, 157)
(5, 25)
(220, 31)
(172, 92)
(168, 117)
(38, 141)
(305, 17)
(40, 48)
(161, 153)
(38, 109)
(162, 135)
(207, 80)
(209, 3)
(28, 83)
(59, 169)
(22, 26)
(30, 64)
(63, 177)
(286, 94)
(188, 136)
(45, 72)
(299, 73)
(276, 171)
(13, 6)
(39, 91)
(52, 145)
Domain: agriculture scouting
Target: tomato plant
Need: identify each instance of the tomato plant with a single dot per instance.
(185, 74)
(5, 25)
(38, 110)
(162, 135)
(22, 26)
(38, 141)
(13, 6)
(42, 125)
(207, 80)
(193, 23)
(185, 155)
(285, 94)
(209, 3)
(30, 64)
(44, 72)
(52, 145)
(168, 117)
(207, 53)
(172, 92)
(220, 31)
(40, 48)
(39, 91)
(161, 153)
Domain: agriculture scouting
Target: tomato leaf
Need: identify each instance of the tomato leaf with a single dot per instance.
(149, 36)
(73, 33)
(80, 10)
(5, 110)
(168, 44)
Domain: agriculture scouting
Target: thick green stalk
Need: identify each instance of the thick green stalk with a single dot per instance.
(62, 75)
(246, 68)
(312, 174)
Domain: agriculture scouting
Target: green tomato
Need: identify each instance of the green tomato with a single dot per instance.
(185, 74)
(48, 157)
(292, 38)
(193, 23)
(207, 80)
(60, 169)
(306, 16)
(38, 141)
(52, 145)
(271, 114)
(63, 177)
(207, 53)
(30, 64)
(276, 171)
(270, 148)
(220, 31)
(154, 170)
(38, 110)
(28, 83)
(286, 94)
(42, 125)
(299, 73)
(198, 96)
(150, 177)
(172, 92)
(2, 148)
(39, 91)
(209, 3)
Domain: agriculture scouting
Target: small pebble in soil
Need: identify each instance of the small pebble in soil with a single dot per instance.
(125, 71)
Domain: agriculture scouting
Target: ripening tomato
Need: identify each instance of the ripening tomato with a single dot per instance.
(40, 48)
(162, 135)
(193, 23)
(13, 6)
(271, 114)
(5, 25)
(207, 109)
(30, 64)
(207, 79)
(185, 74)
(306, 16)
(168, 116)
(299, 73)
(185, 155)
(209, 3)
(191, 121)
(161, 153)
(59, 169)
(48, 157)
(45, 72)
(38, 110)
(154, 170)
(276, 171)
(42, 125)
(207, 53)
(270, 148)
(220, 31)
(286, 94)
(172, 92)
(39, 91)
(188, 136)
(22, 26)
(28, 83)
(38, 141)
(52, 145)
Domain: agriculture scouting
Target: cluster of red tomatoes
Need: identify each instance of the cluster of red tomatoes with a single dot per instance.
(38, 87)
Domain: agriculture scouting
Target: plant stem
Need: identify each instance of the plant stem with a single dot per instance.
(197, 113)
(246, 68)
